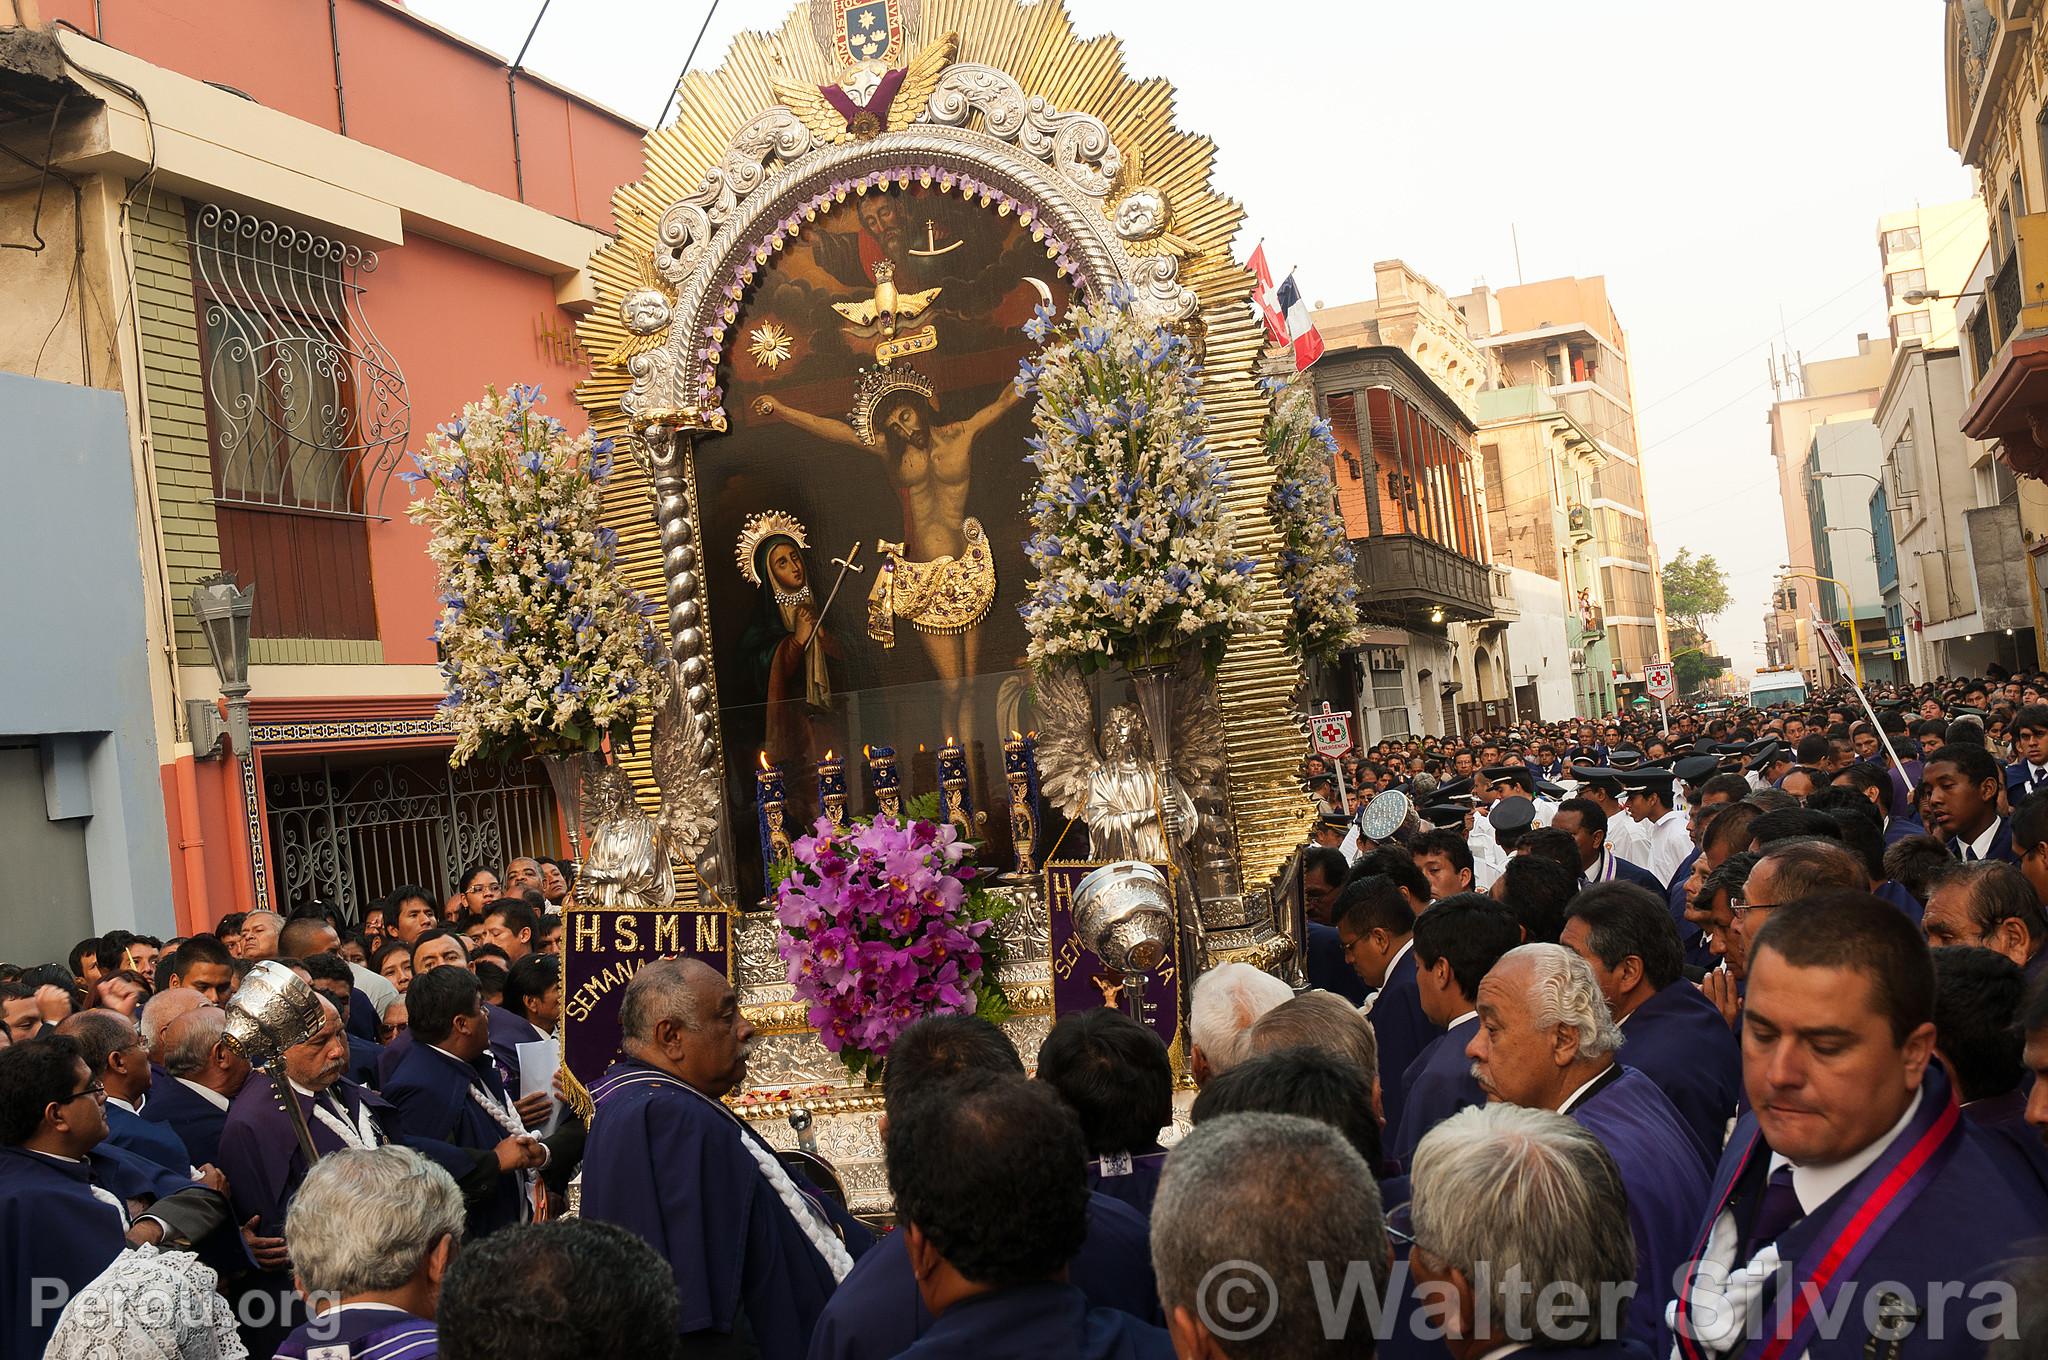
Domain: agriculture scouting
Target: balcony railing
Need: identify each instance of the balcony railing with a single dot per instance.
(1981, 348)
(1405, 573)
(2006, 300)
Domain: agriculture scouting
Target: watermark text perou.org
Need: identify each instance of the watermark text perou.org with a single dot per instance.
(157, 1308)
(1239, 1300)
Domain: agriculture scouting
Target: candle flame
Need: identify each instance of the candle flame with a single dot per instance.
(867, 752)
(920, 748)
(1015, 735)
(828, 756)
(764, 760)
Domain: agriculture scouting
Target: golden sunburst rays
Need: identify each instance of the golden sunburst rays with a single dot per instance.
(1035, 44)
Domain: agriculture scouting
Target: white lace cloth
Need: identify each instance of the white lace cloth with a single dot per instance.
(148, 1305)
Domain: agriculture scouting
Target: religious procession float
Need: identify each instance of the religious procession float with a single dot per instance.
(919, 626)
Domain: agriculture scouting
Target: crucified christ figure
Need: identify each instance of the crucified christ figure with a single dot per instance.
(930, 464)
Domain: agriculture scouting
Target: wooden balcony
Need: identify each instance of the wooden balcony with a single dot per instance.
(1412, 576)
(2008, 334)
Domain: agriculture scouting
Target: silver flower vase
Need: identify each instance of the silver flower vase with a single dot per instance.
(1157, 684)
(567, 771)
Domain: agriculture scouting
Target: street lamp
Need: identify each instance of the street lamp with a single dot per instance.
(223, 611)
(1855, 642)
(1918, 295)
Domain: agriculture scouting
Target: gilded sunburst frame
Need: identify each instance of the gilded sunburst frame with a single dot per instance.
(996, 100)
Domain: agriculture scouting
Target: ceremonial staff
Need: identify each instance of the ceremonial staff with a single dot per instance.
(275, 1009)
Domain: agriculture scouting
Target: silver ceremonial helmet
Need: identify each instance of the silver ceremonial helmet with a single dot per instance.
(1124, 913)
(275, 1009)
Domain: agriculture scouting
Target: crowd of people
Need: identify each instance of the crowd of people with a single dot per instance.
(1721, 1041)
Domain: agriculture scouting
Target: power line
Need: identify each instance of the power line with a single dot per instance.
(677, 87)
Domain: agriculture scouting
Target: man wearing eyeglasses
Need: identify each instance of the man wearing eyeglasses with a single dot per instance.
(67, 1205)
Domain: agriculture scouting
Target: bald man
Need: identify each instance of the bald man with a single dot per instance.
(756, 1254)
(201, 1075)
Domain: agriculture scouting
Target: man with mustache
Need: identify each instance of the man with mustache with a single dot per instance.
(1546, 1041)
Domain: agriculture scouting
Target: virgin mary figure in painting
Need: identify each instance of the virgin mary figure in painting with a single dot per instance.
(785, 647)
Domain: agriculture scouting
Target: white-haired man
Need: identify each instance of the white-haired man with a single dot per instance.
(1546, 1041)
(203, 1074)
(1228, 999)
(1494, 1184)
(372, 1232)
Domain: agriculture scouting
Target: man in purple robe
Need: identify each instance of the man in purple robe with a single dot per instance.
(447, 1087)
(1456, 941)
(1116, 1077)
(1546, 1041)
(755, 1256)
(1854, 1176)
(376, 1292)
(1672, 1034)
(66, 1206)
(877, 1312)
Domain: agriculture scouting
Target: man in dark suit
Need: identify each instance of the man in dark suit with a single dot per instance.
(1962, 804)
(1672, 1034)
(2028, 774)
(1376, 928)
(203, 1074)
(446, 1087)
(1456, 941)
(1978, 995)
(114, 1051)
(1854, 1170)
(1587, 824)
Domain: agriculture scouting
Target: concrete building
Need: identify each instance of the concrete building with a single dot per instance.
(1928, 254)
(1562, 335)
(1842, 461)
(1399, 385)
(1541, 465)
(1993, 54)
(221, 192)
(1545, 666)
(1953, 510)
(1821, 389)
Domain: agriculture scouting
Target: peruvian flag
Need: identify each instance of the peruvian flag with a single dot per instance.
(1301, 331)
(1266, 298)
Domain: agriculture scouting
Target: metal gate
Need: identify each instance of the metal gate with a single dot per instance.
(349, 829)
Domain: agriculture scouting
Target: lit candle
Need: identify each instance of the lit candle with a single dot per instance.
(953, 796)
(832, 788)
(885, 781)
(768, 807)
(1020, 768)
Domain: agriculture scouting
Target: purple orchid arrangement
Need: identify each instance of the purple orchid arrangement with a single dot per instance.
(878, 932)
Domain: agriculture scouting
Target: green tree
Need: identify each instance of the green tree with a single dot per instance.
(1695, 589)
(1692, 669)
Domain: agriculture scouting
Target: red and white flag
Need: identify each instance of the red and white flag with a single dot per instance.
(1266, 297)
(1301, 329)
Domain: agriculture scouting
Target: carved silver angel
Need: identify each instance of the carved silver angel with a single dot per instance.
(1109, 780)
(627, 859)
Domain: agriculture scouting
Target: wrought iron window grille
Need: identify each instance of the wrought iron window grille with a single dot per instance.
(309, 410)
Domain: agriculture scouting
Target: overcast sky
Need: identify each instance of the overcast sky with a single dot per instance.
(1723, 166)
